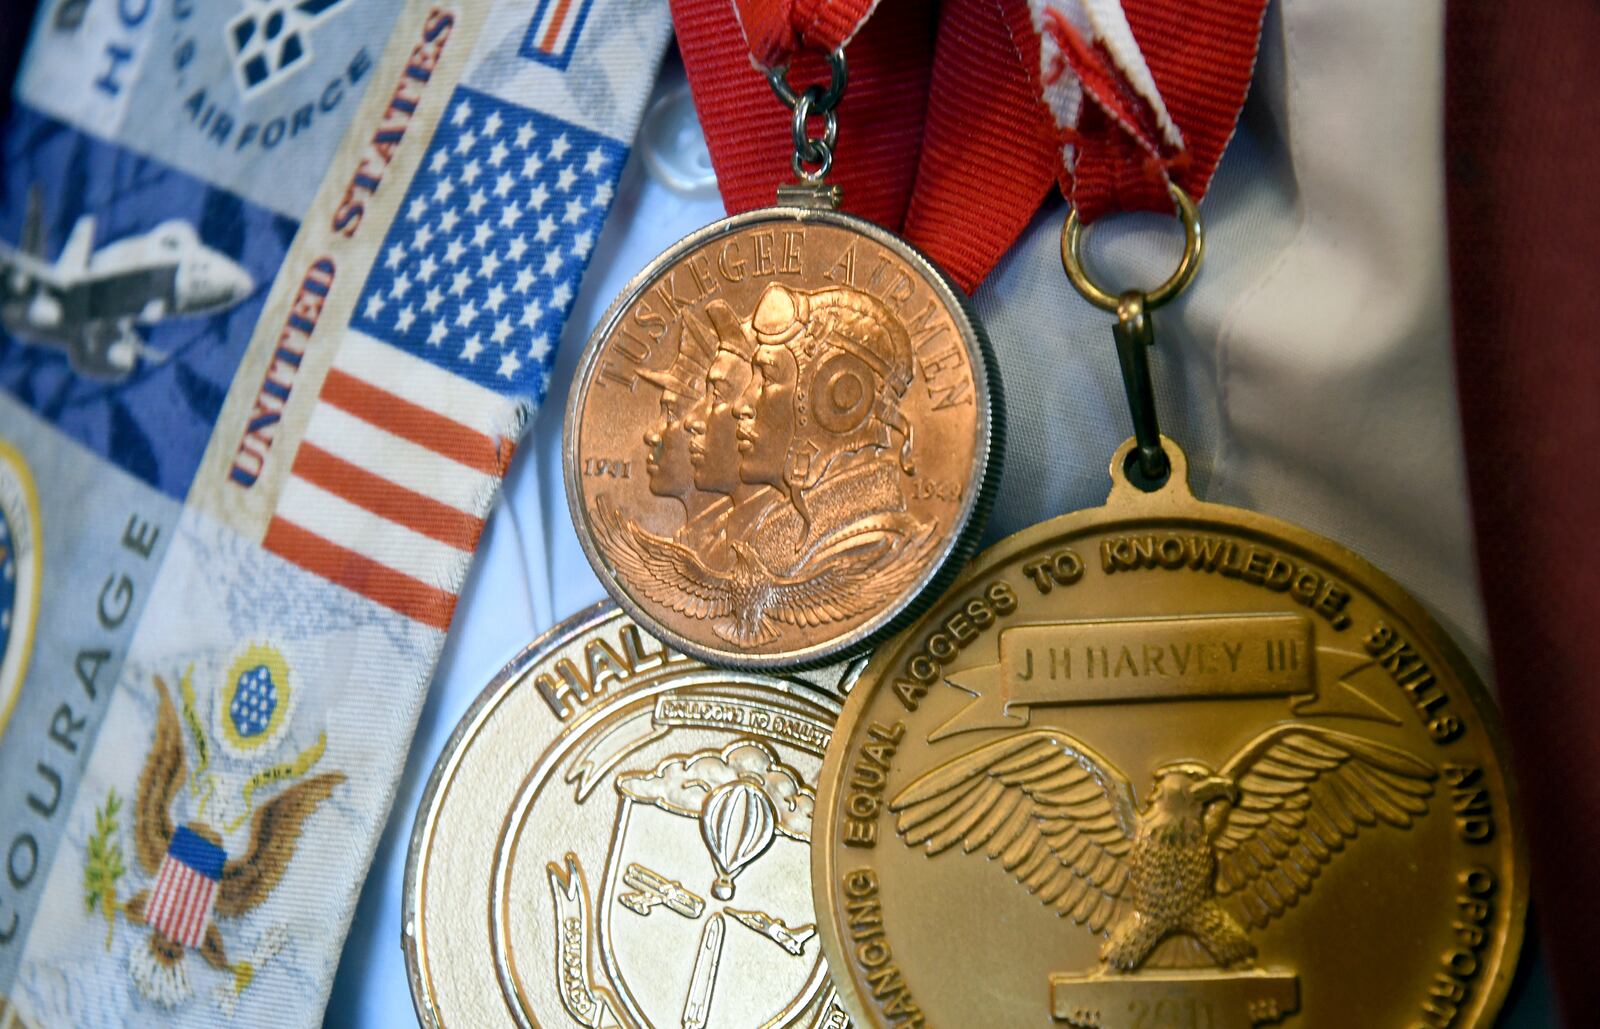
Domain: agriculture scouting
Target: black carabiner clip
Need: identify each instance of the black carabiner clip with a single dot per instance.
(1135, 334)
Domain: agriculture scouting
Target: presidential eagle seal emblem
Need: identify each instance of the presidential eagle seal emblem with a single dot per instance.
(21, 575)
(195, 886)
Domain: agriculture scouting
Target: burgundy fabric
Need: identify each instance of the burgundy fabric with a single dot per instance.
(1522, 121)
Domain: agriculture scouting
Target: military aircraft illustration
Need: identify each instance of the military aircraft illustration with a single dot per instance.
(89, 302)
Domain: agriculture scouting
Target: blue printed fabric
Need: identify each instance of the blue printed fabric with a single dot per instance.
(158, 295)
(281, 283)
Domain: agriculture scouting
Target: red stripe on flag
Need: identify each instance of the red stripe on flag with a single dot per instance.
(184, 923)
(194, 921)
(557, 19)
(158, 895)
(379, 583)
(169, 892)
(413, 422)
(386, 499)
(180, 903)
(178, 913)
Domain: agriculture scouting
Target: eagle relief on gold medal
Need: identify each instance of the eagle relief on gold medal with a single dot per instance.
(1207, 855)
(781, 435)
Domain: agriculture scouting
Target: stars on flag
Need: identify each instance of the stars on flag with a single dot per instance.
(500, 222)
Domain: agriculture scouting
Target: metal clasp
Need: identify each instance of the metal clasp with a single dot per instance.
(1134, 332)
(1194, 248)
(1135, 335)
(813, 155)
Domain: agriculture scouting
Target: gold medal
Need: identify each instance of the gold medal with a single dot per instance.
(1169, 763)
(617, 835)
(782, 440)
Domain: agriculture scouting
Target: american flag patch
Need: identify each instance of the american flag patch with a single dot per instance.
(482, 263)
(387, 496)
(453, 334)
(186, 888)
(553, 34)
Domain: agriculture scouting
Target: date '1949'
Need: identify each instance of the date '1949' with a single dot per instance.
(935, 489)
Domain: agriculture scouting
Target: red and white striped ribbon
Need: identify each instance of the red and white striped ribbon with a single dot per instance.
(1142, 92)
(959, 115)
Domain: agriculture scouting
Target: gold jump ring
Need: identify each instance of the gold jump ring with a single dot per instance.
(1194, 246)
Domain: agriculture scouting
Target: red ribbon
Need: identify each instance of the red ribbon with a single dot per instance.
(944, 133)
(748, 129)
(1202, 57)
(776, 30)
(946, 143)
(989, 152)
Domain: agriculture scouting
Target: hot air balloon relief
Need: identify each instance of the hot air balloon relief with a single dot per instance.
(752, 813)
(737, 825)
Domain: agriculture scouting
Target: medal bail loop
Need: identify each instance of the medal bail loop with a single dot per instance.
(1148, 466)
(1194, 246)
(813, 155)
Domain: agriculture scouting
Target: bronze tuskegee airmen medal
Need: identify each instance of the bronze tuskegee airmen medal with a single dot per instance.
(617, 835)
(1169, 763)
(783, 437)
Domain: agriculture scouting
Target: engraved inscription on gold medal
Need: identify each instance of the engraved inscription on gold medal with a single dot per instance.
(870, 947)
(1411, 672)
(1228, 558)
(1193, 784)
(1152, 659)
(1453, 984)
(868, 776)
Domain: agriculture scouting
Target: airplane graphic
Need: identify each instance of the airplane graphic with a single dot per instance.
(89, 302)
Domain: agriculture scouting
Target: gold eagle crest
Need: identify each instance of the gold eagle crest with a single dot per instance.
(1208, 853)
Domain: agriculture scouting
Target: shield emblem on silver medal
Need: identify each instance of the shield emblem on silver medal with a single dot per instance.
(705, 912)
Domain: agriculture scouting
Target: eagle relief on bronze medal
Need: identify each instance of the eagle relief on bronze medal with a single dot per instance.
(1168, 763)
(780, 439)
